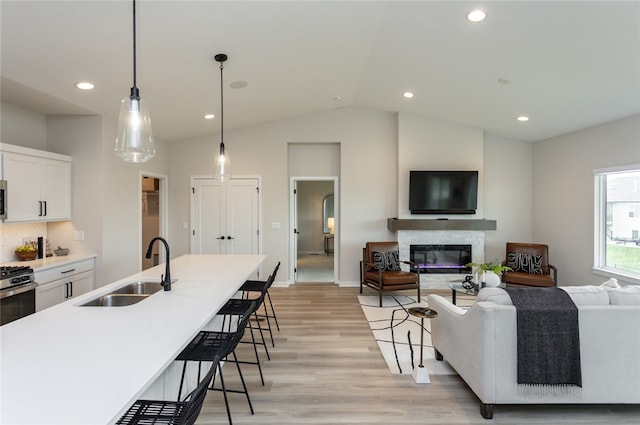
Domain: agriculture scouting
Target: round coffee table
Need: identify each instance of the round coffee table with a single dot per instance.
(421, 374)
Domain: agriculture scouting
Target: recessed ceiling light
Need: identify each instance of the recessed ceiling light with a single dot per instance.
(407, 94)
(209, 116)
(85, 85)
(238, 84)
(476, 15)
(337, 98)
(523, 118)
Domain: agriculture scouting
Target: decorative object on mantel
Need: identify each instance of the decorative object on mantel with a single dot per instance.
(135, 138)
(488, 274)
(26, 252)
(395, 224)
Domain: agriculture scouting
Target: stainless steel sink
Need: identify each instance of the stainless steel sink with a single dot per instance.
(115, 300)
(131, 293)
(139, 287)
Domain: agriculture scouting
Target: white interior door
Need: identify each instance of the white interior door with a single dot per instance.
(225, 216)
(295, 230)
(242, 216)
(207, 217)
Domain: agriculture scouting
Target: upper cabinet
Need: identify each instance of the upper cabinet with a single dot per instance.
(38, 184)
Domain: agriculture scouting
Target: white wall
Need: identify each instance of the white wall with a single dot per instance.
(369, 176)
(429, 144)
(23, 127)
(508, 179)
(376, 151)
(367, 148)
(563, 188)
(105, 192)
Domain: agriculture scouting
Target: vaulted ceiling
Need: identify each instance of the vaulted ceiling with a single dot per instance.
(564, 64)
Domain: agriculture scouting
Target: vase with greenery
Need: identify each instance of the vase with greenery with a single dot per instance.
(488, 273)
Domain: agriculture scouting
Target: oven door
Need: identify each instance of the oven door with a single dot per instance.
(16, 303)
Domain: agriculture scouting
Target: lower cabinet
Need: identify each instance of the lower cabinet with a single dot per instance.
(77, 280)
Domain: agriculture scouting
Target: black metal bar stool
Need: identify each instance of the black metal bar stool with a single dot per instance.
(184, 412)
(208, 345)
(263, 286)
(240, 308)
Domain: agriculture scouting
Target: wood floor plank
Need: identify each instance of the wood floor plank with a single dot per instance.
(326, 368)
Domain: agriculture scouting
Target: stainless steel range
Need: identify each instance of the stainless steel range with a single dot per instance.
(17, 293)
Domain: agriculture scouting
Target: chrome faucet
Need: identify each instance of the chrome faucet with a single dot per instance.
(166, 277)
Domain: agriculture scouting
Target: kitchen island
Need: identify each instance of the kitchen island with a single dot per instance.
(71, 364)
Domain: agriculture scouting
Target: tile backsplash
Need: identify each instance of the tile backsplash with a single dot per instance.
(15, 234)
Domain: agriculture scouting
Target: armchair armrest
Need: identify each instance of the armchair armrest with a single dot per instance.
(555, 273)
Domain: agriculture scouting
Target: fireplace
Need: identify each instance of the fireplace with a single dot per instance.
(441, 258)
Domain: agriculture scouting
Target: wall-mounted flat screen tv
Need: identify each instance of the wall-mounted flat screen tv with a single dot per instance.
(443, 192)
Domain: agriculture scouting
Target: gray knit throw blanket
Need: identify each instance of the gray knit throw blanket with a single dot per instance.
(548, 341)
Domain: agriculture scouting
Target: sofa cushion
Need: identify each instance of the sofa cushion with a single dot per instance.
(587, 295)
(387, 260)
(525, 263)
(626, 295)
(580, 295)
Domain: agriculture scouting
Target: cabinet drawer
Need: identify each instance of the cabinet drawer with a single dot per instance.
(63, 271)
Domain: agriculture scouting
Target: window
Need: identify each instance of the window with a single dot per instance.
(617, 222)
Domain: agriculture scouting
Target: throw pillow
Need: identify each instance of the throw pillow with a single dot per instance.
(387, 260)
(626, 295)
(525, 263)
(611, 283)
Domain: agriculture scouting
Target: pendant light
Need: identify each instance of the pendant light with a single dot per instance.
(223, 166)
(135, 139)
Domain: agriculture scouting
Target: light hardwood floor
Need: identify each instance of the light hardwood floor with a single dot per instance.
(326, 369)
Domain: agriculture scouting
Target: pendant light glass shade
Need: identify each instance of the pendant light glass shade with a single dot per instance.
(135, 138)
(222, 164)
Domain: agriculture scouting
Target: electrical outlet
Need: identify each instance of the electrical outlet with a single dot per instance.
(78, 235)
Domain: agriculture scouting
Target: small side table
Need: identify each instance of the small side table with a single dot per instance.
(420, 373)
(327, 248)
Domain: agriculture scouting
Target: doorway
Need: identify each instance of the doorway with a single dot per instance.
(153, 211)
(315, 224)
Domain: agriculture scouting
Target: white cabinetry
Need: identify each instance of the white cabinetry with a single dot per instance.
(60, 283)
(38, 184)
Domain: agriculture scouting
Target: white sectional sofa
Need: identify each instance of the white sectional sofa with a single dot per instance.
(480, 344)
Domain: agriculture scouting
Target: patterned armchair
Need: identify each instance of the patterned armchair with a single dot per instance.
(380, 269)
(530, 265)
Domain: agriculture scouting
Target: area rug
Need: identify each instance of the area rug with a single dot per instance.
(398, 334)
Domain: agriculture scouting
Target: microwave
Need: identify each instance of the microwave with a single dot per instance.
(3, 200)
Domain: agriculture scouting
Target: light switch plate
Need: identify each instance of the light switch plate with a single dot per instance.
(78, 235)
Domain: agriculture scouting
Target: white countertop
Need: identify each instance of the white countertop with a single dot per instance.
(87, 365)
(46, 263)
